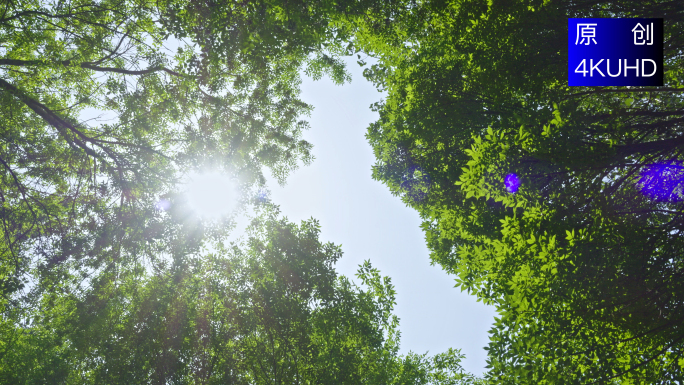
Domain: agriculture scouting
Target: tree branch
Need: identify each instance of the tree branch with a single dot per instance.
(650, 147)
(49, 116)
(92, 66)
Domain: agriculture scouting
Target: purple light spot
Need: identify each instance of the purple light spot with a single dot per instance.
(663, 181)
(162, 205)
(262, 196)
(512, 183)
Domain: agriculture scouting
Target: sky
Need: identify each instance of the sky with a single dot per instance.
(361, 214)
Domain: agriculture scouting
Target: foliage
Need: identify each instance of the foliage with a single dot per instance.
(269, 311)
(584, 262)
(108, 104)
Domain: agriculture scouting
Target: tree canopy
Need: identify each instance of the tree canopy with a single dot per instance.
(560, 205)
(106, 105)
(271, 310)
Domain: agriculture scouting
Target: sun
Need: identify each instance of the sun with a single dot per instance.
(212, 195)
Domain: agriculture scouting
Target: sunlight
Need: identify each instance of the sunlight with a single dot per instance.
(212, 195)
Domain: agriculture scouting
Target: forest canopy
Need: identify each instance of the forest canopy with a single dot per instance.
(107, 104)
(561, 206)
(270, 310)
(106, 274)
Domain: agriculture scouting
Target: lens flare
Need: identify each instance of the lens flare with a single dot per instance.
(262, 196)
(512, 183)
(212, 195)
(163, 205)
(663, 181)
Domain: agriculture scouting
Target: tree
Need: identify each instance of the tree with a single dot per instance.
(269, 311)
(107, 104)
(100, 286)
(561, 206)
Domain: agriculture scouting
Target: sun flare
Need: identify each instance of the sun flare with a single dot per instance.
(212, 195)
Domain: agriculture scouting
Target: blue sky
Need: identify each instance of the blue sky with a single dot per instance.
(360, 214)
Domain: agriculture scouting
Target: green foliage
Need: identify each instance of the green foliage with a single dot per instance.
(271, 310)
(107, 104)
(584, 268)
